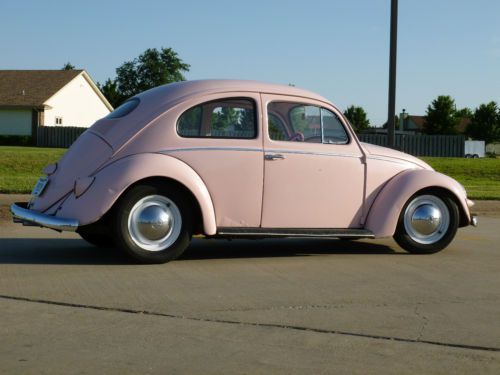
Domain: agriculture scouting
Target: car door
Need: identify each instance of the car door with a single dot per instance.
(219, 137)
(313, 168)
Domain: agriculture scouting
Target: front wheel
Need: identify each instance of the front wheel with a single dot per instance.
(153, 223)
(427, 223)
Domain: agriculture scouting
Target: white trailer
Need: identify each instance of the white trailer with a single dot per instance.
(474, 149)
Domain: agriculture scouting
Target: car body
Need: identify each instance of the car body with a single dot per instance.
(239, 159)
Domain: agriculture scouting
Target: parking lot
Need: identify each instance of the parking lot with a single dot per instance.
(274, 306)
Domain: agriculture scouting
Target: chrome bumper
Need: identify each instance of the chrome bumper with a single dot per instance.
(473, 220)
(21, 214)
(473, 217)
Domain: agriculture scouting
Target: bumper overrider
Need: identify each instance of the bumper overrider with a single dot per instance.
(21, 214)
(473, 217)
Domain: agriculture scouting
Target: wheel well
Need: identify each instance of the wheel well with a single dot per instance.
(440, 191)
(172, 184)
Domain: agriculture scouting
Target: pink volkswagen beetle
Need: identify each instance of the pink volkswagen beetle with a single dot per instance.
(238, 159)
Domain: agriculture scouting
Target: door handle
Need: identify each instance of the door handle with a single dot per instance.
(274, 157)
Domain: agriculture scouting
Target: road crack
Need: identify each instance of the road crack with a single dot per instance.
(424, 322)
(251, 324)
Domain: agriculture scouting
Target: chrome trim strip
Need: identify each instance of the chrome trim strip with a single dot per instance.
(398, 161)
(29, 217)
(248, 149)
(295, 232)
(297, 235)
(301, 152)
(294, 235)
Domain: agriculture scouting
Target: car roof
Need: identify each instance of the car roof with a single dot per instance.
(186, 89)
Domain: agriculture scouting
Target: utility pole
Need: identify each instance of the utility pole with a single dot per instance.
(392, 73)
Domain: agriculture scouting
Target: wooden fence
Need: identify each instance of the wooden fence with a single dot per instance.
(57, 136)
(421, 145)
(418, 145)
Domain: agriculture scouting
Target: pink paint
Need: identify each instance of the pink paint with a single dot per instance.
(250, 183)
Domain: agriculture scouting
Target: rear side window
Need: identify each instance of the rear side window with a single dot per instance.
(225, 118)
(124, 109)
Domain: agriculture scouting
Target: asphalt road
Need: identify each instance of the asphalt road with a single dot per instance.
(250, 307)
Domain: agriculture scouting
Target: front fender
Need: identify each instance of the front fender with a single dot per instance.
(112, 180)
(384, 213)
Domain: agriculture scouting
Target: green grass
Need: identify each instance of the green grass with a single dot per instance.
(20, 167)
(480, 177)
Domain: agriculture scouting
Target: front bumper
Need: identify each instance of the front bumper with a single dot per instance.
(473, 220)
(473, 217)
(21, 214)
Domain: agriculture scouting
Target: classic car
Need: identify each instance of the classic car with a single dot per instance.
(238, 159)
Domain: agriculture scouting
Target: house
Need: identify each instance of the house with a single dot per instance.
(417, 124)
(33, 98)
(412, 124)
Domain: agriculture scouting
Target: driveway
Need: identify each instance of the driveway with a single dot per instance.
(250, 307)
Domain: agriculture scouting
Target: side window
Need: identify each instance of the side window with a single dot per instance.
(189, 124)
(227, 118)
(277, 130)
(304, 123)
(333, 130)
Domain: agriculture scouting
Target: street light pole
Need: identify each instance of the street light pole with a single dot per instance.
(392, 73)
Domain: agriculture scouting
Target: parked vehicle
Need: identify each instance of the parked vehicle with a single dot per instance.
(239, 159)
(474, 149)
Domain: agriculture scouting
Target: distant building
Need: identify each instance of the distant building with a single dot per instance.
(411, 124)
(33, 98)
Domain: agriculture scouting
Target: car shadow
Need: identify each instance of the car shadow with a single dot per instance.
(77, 251)
(57, 251)
(224, 249)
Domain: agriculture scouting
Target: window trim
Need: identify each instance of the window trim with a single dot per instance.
(348, 141)
(255, 116)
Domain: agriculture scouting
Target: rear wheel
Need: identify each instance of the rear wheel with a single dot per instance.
(153, 223)
(427, 224)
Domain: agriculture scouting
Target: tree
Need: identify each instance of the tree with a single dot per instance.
(110, 91)
(464, 113)
(442, 116)
(152, 68)
(68, 66)
(357, 117)
(225, 118)
(485, 123)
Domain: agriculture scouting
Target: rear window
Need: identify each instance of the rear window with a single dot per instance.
(225, 118)
(124, 109)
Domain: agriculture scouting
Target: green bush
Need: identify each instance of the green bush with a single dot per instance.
(16, 140)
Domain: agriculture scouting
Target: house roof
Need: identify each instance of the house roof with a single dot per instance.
(419, 122)
(32, 88)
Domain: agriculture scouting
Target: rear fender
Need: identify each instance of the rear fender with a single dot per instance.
(112, 180)
(384, 213)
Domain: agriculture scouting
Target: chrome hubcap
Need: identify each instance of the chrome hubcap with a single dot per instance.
(154, 223)
(426, 219)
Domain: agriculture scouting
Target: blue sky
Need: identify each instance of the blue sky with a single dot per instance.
(339, 49)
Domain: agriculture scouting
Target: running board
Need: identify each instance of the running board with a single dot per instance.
(293, 232)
